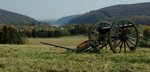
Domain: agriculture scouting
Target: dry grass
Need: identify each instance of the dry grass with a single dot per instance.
(36, 57)
(58, 41)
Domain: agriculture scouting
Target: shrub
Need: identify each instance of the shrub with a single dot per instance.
(147, 33)
(10, 35)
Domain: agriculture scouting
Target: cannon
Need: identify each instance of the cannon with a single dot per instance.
(121, 36)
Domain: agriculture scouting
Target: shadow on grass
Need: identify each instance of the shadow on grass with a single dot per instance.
(88, 52)
(51, 70)
(141, 60)
(145, 45)
(2, 66)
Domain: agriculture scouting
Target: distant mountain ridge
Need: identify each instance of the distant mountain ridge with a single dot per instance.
(66, 19)
(10, 17)
(139, 13)
(19, 20)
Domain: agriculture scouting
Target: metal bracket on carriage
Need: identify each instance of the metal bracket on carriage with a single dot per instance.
(85, 46)
(85, 43)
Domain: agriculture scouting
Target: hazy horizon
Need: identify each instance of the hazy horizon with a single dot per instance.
(54, 9)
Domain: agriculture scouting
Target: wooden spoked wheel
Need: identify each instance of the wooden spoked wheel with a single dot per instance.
(123, 36)
(96, 33)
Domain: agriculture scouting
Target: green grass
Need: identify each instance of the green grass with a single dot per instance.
(36, 57)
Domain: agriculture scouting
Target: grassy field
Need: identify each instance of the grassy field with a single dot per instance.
(36, 57)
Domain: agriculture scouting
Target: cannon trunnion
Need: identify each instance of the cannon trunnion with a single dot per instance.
(122, 35)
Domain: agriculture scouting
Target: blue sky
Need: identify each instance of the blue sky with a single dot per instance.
(54, 9)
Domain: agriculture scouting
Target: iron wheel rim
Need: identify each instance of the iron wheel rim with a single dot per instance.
(124, 36)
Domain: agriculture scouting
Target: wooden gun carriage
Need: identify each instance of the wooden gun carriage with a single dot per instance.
(121, 36)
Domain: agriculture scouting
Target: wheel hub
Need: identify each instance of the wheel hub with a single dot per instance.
(124, 36)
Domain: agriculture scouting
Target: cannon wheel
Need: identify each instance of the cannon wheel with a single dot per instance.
(123, 35)
(95, 34)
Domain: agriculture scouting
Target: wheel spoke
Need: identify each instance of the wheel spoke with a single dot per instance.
(106, 46)
(131, 28)
(132, 38)
(133, 34)
(118, 25)
(117, 31)
(115, 37)
(124, 47)
(119, 28)
(128, 45)
(117, 44)
(130, 42)
(123, 25)
(120, 47)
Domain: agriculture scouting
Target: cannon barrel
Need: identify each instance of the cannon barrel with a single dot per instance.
(58, 46)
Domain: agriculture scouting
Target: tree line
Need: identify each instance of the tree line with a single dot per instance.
(50, 32)
(10, 35)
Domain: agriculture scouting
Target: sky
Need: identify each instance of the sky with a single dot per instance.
(54, 9)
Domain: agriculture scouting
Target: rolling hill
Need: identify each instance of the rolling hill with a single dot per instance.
(7, 17)
(65, 20)
(18, 20)
(139, 13)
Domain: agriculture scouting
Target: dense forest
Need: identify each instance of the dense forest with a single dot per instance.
(139, 13)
